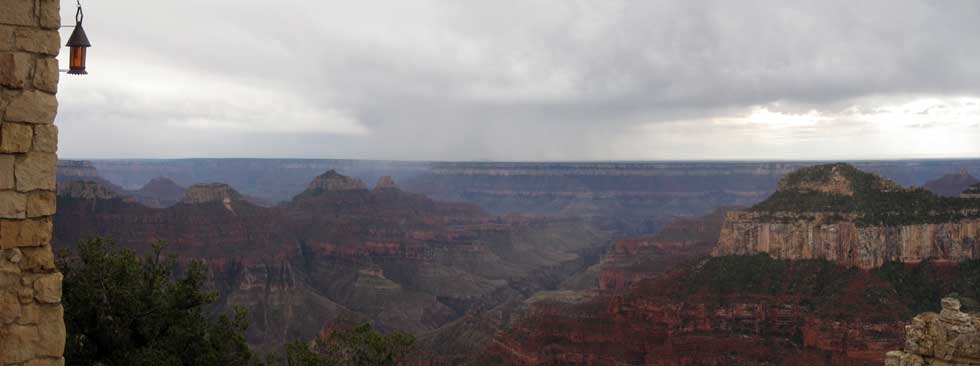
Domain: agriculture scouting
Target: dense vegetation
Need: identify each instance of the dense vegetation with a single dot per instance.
(123, 309)
(893, 289)
(819, 284)
(875, 200)
(760, 274)
(924, 283)
(972, 189)
(354, 346)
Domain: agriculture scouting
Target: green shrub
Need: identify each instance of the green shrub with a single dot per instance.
(121, 309)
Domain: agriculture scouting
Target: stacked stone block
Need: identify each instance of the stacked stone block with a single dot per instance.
(32, 328)
(950, 338)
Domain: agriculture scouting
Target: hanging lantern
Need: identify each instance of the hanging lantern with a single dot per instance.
(77, 43)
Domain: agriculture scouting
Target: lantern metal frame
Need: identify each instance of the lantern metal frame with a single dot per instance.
(77, 43)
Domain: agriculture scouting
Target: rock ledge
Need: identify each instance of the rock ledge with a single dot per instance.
(950, 338)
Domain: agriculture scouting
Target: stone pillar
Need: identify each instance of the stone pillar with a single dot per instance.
(32, 327)
(950, 338)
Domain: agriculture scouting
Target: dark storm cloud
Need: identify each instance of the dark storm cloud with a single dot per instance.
(520, 80)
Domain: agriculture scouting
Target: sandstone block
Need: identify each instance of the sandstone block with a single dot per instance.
(37, 258)
(41, 203)
(9, 259)
(13, 255)
(46, 362)
(15, 69)
(47, 42)
(32, 107)
(29, 313)
(13, 205)
(47, 288)
(50, 14)
(25, 233)
(25, 295)
(45, 138)
(16, 138)
(6, 38)
(9, 307)
(51, 328)
(46, 74)
(35, 170)
(7, 172)
(17, 12)
(17, 342)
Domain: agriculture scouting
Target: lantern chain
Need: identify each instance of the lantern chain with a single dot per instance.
(78, 15)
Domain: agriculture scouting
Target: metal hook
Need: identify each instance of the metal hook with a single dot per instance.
(78, 15)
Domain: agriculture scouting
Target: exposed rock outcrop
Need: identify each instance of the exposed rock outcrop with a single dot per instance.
(211, 192)
(160, 192)
(839, 213)
(734, 311)
(72, 170)
(83, 189)
(950, 338)
(333, 181)
(788, 235)
(950, 185)
(634, 259)
(398, 259)
(971, 192)
(79, 169)
(385, 182)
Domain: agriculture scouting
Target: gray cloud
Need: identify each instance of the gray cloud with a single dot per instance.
(517, 80)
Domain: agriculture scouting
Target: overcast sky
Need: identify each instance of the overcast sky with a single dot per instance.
(525, 80)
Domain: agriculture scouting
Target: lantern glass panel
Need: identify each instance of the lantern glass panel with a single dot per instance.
(77, 58)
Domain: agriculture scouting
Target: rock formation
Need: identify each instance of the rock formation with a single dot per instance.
(838, 213)
(385, 182)
(76, 169)
(338, 249)
(160, 192)
(950, 338)
(333, 181)
(82, 189)
(632, 260)
(950, 185)
(723, 311)
(210, 192)
(971, 192)
(79, 170)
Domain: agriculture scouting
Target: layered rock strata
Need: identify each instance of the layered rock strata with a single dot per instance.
(806, 315)
(398, 259)
(837, 213)
(792, 235)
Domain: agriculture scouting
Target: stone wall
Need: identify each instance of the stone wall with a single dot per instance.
(32, 328)
(950, 338)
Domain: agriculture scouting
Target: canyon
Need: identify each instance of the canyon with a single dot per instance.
(336, 252)
(632, 198)
(597, 275)
(663, 300)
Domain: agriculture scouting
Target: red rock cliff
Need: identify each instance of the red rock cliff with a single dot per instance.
(838, 213)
